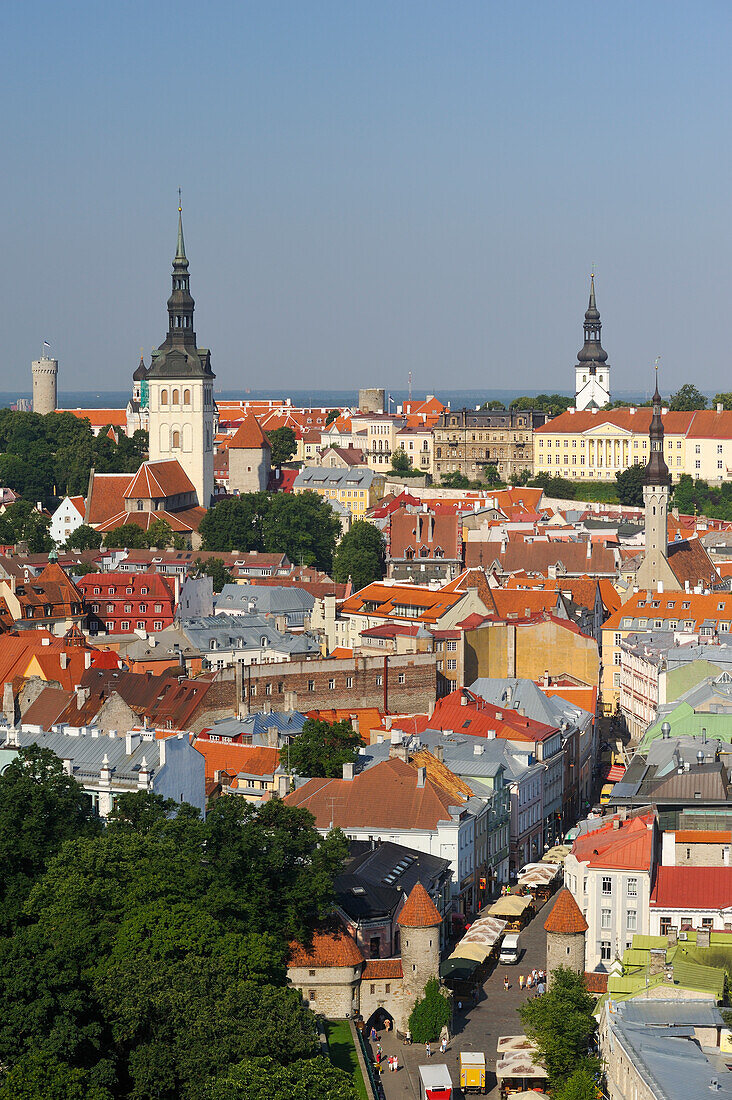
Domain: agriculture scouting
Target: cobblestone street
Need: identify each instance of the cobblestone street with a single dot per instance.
(477, 1027)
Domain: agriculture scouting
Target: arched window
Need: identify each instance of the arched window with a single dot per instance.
(186, 397)
(176, 440)
(176, 397)
(163, 397)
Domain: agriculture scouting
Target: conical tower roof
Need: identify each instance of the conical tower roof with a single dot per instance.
(419, 910)
(565, 918)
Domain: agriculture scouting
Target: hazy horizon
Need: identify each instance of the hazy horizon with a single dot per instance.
(367, 190)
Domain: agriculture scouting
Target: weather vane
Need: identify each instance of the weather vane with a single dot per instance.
(180, 201)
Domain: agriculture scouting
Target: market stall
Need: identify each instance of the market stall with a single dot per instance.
(516, 909)
(517, 1070)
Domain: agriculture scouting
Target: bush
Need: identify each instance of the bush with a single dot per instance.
(430, 1014)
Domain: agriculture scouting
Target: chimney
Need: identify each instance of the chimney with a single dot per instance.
(478, 749)
(64, 659)
(283, 785)
(82, 694)
(349, 771)
(9, 703)
(87, 658)
(657, 963)
(589, 549)
(132, 740)
(421, 777)
(68, 767)
(440, 754)
(547, 680)
(720, 407)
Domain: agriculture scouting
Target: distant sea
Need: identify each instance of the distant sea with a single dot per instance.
(117, 399)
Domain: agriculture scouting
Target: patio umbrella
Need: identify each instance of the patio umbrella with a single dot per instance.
(459, 969)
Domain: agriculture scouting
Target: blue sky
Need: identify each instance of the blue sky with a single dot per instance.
(368, 188)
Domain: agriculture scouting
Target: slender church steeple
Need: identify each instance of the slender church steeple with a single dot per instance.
(592, 373)
(655, 570)
(180, 302)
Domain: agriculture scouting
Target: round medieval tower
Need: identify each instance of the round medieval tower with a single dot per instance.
(565, 936)
(419, 930)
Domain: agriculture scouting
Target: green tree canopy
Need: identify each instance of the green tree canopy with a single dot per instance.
(214, 568)
(554, 403)
(323, 748)
(630, 485)
(151, 956)
(559, 487)
(400, 461)
(128, 536)
(40, 808)
(430, 1014)
(264, 1079)
(491, 476)
(22, 522)
(561, 1023)
(687, 399)
(332, 415)
(283, 443)
(582, 1085)
(360, 555)
(497, 405)
(304, 527)
(84, 538)
(723, 399)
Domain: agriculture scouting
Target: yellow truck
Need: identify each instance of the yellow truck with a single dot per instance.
(472, 1071)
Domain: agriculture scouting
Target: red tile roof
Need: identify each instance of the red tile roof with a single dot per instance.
(162, 479)
(385, 796)
(595, 982)
(629, 846)
(703, 836)
(692, 888)
(106, 497)
(419, 910)
(565, 918)
(380, 969)
(328, 949)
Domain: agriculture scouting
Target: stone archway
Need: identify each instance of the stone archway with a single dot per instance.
(377, 1020)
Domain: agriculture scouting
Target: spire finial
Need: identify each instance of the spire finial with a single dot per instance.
(180, 252)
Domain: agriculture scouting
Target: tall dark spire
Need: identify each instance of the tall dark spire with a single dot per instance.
(656, 468)
(180, 302)
(592, 354)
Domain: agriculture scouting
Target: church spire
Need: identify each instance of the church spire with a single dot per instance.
(656, 469)
(592, 354)
(180, 252)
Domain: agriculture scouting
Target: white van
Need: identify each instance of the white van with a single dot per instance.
(510, 948)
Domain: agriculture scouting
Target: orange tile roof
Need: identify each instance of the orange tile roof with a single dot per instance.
(385, 796)
(328, 949)
(703, 836)
(106, 497)
(627, 847)
(369, 718)
(674, 423)
(565, 918)
(671, 605)
(419, 910)
(234, 758)
(388, 600)
(380, 969)
(98, 418)
(249, 436)
(165, 478)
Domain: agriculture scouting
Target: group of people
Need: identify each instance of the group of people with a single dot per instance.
(392, 1061)
(535, 979)
(443, 1047)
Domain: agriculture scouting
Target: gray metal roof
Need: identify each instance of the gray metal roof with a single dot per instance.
(262, 599)
(242, 632)
(528, 696)
(687, 1013)
(87, 751)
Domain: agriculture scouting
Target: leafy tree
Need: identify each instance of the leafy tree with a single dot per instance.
(430, 1014)
(559, 487)
(687, 399)
(323, 748)
(264, 1079)
(40, 808)
(630, 485)
(554, 403)
(522, 478)
(283, 443)
(128, 536)
(561, 1024)
(332, 415)
(490, 405)
(160, 535)
(304, 527)
(723, 399)
(491, 475)
(582, 1085)
(152, 955)
(236, 523)
(454, 480)
(81, 568)
(400, 461)
(360, 555)
(215, 568)
(84, 538)
(22, 522)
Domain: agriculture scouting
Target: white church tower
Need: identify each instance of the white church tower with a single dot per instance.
(180, 388)
(592, 373)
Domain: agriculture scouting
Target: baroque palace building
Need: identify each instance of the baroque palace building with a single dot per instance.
(468, 440)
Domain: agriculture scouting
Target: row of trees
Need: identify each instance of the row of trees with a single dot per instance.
(146, 960)
(42, 457)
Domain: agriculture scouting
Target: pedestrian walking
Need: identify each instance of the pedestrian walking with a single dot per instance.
(443, 1045)
(529, 980)
(506, 983)
(373, 1036)
(540, 988)
(396, 1062)
(460, 1006)
(521, 982)
(535, 975)
(427, 1050)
